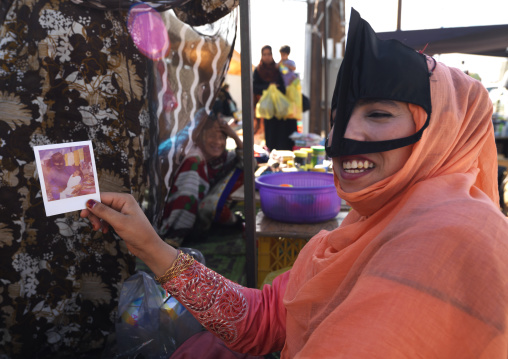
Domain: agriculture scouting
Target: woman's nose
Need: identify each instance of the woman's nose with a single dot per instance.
(354, 129)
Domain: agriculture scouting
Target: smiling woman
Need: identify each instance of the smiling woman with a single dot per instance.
(374, 120)
(418, 267)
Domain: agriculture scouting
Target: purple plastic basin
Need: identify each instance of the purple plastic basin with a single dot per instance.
(312, 197)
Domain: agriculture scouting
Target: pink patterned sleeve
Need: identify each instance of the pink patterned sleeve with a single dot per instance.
(248, 320)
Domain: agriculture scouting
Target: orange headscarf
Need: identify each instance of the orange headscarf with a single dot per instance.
(419, 267)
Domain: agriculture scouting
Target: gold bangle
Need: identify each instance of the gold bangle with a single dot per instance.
(181, 263)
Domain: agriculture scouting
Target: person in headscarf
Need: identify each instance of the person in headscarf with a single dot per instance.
(418, 268)
(276, 130)
(58, 177)
(206, 175)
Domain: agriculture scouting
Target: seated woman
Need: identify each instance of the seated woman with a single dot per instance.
(418, 268)
(73, 185)
(205, 177)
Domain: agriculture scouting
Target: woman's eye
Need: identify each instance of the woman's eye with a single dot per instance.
(379, 114)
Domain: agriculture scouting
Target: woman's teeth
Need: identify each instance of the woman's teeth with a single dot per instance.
(355, 166)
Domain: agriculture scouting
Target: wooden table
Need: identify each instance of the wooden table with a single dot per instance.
(266, 227)
(280, 243)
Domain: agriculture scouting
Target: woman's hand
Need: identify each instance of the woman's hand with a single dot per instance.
(122, 212)
(224, 127)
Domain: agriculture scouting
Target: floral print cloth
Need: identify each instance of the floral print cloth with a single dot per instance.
(67, 73)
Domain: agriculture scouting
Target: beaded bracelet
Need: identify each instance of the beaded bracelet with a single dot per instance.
(181, 263)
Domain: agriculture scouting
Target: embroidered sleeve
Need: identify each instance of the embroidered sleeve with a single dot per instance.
(215, 301)
(248, 320)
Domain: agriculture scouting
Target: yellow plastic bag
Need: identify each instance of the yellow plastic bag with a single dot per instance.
(264, 107)
(294, 95)
(272, 103)
(280, 102)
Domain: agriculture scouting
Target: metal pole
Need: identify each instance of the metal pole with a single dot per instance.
(326, 35)
(248, 144)
(399, 15)
(316, 75)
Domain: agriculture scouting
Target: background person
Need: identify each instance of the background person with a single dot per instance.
(205, 178)
(287, 67)
(276, 130)
(418, 268)
(227, 104)
(294, 94)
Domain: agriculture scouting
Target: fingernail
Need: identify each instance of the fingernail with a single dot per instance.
(91, 203)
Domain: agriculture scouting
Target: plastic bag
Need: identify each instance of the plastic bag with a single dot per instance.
(294, 95)
(149, 324)
(280, 102)
(264, 107)
(272, 103)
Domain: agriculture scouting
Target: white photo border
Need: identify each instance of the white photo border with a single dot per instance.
(68, 204)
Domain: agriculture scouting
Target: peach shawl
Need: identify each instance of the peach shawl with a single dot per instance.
(419, 268)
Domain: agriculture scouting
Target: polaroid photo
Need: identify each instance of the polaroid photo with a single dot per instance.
(67, 175)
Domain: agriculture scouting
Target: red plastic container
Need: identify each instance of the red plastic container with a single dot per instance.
(311, 199)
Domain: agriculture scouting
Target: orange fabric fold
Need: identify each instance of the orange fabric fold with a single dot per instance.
(419, 267)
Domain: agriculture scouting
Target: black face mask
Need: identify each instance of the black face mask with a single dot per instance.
(376, 69)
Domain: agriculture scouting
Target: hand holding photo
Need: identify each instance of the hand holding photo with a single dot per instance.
(67, 175)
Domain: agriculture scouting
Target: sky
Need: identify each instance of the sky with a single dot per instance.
(277, 23)
(282, 22)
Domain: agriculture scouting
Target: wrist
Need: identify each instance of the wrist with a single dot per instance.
(159, 256)
(182, 262)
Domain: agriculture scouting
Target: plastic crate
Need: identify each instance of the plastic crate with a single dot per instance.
(275, 253)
